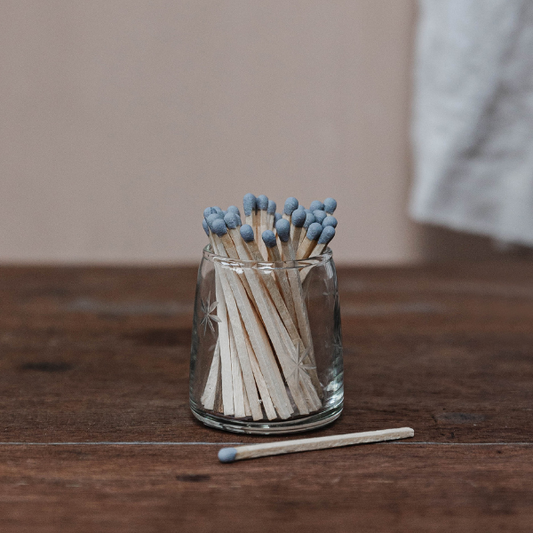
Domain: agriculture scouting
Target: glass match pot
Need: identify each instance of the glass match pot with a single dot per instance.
(266, 354)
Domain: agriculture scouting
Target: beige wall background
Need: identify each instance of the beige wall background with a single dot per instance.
(121, 120)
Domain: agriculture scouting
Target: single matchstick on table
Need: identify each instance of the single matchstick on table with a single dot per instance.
(230, 455)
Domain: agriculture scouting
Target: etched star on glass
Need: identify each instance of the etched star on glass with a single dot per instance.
(300, 369)
(208, 308)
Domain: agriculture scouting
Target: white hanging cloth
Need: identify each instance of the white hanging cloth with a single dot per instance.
(473, 117)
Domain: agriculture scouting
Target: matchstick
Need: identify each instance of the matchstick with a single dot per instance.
(262, 207)
(281, 276)
(249, 204)
(223, 329)
(310, 240)
(283, 229)
(330, 204)
(325, 238)
(297, 221)
(271, 212)
(309, 219)
(230, 455)
(291, 204)
(209, 394)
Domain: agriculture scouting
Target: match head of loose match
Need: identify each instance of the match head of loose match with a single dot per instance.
(249, 203)
(298, 217)
(271, 209)
(227, 455)
(231, 220)
(208, 211)
(269, 238)
(283, 227)
(330, 204)
(247, 233)
(320, 215)
(314, 231)
(327, 234)
(317, 204)
(291, 204)
(262, 202)
(277, 216)
(219, 227)
(217, 209)
(329, 221)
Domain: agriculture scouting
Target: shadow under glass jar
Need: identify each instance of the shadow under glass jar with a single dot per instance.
(266, 353)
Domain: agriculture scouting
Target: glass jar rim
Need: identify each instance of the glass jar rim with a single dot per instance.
(324, 257)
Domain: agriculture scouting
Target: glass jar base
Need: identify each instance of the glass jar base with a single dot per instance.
(296, 425)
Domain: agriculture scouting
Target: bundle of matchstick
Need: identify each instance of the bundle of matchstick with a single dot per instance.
(263, 364)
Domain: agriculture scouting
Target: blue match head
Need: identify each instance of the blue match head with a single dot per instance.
(247, 233)
(205, 226)
(211, 218)
(227, 455)
(234, 209)
(309, 219)
(314, 231)
(262, 202)
(330, 205)
(219, 227)
(269, 238)
(327, 234)
(231, 220)
(208, 211)
(291, 204)
(320, 215)
(283, 227)
(249, 203)
(329, 221)
(298, 217)
(217, 209)
(317, 204)
(277, 217)
(271, 209)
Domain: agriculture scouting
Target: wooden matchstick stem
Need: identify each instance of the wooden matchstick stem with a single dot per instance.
(225, 349)
(238, 389)
(318, 443)
(268, 406)
(305, 248)
(302, 317)
(208, 396)
(281, 276)
(295, 236)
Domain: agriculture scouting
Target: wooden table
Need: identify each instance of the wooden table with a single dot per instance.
(96, 433)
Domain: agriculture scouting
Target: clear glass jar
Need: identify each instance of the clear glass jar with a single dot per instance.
(266, 354)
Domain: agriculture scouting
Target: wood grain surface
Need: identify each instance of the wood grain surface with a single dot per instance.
(96, 433)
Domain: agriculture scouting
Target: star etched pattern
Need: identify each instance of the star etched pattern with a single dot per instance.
(300, 369)
(208, 308)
